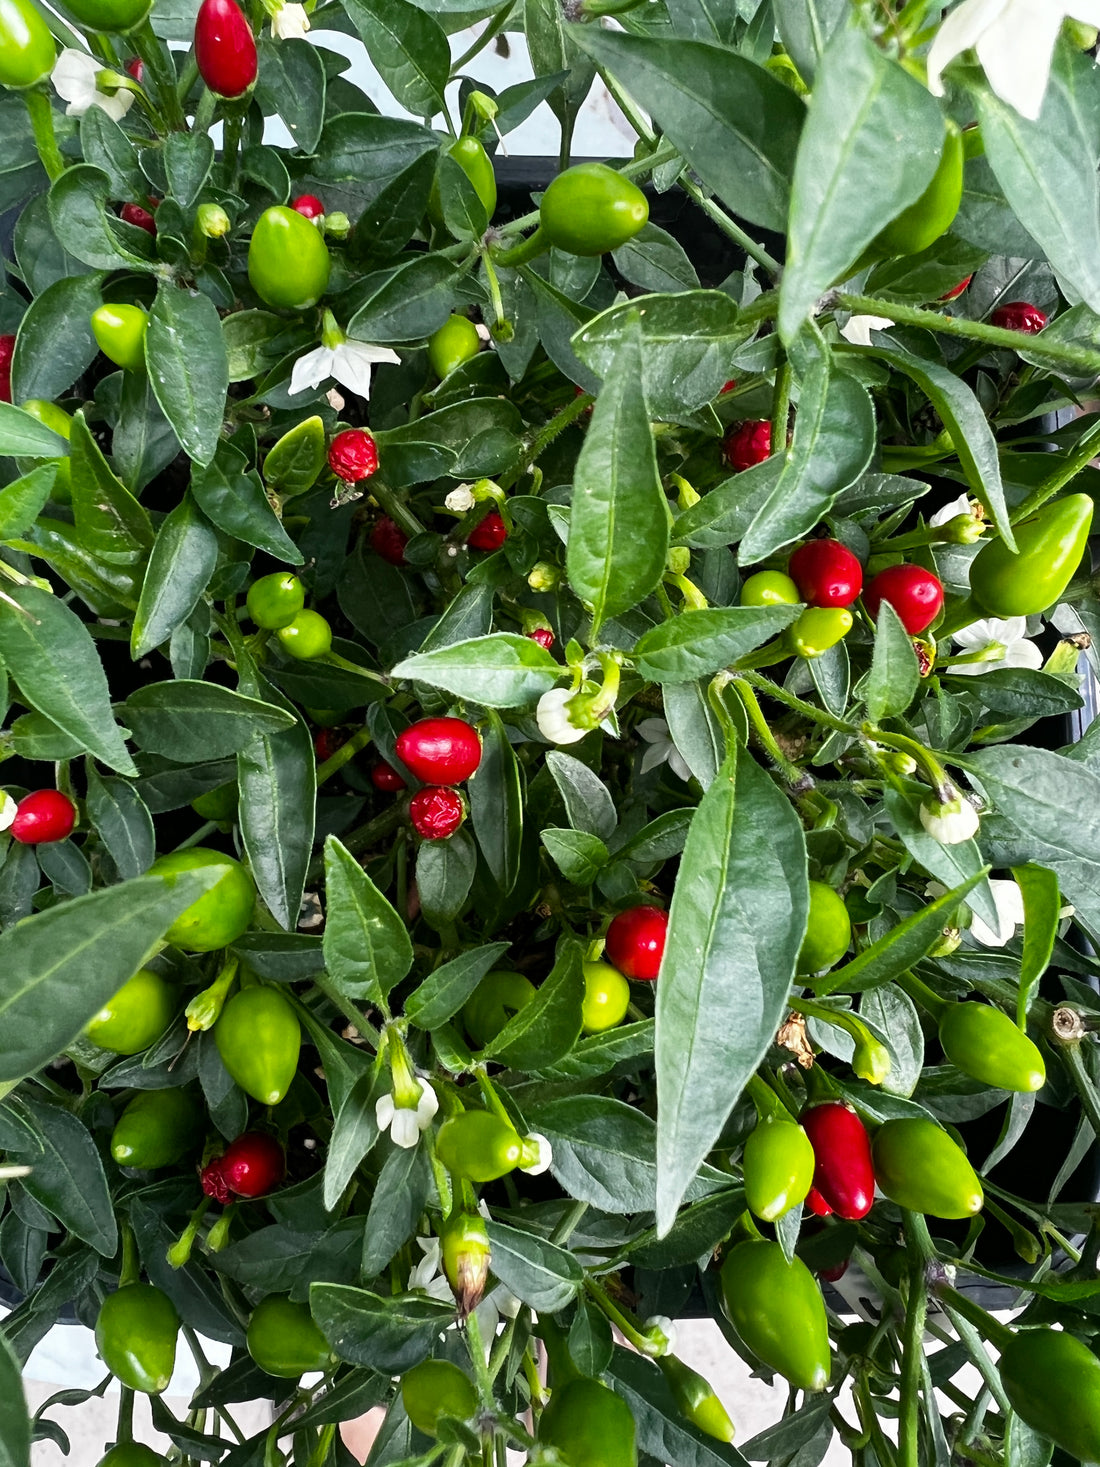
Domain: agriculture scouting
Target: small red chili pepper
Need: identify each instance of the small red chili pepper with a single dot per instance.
(225, 48)
(436, 812)
(957, 290)
(7, 348)
(817, 1204)
(635, 942)
(844, 1175)
(43, 817)
(439, 750)
(543, 636)
(385, 777)
(914, 593)
(388, 541)
(325, 743)
(747, 444)
(136, 215)
(728, 386)
(309, 206)
(1019, 316)
(135, 67)
(353, 455)
(826, 573)
(251, 1166)
(490, 534)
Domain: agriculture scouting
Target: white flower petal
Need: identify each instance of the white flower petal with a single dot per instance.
(655, 754)
(290, 23)
(678, 764)
(1016, 53)
(546, 1155)
(553, 719)
(654, 730)
(384, 1109)
(859, 328)
(312, 369)
(951, 511)
(352, 361)
(1009, 901)
(1022, 654)
(426, 1106)
(8, 807)
(950, 823)
(404, 1131)
(959, 32)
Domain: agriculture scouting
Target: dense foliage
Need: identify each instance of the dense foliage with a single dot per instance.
(541, 795)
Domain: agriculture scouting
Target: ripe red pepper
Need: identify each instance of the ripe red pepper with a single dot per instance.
(385, 777)
(728, 386)
(135, 67)
(957, 290)
(490, 534)
(914, 593)
(543, 636)
(309, 206)
(636, 942)
(436, 812)
(388, 541)
(43, 817)
(826, 573)
(439, 750)
(817, 1204)
(1019, 316)
(353, 455)
(844, 1175)
(747, 444)
(7, 350)
(251, 1166)
(135, 214)
(225, 48)
(325, 743)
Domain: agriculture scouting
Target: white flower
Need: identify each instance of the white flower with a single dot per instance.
(1009, 901)
(75, 75)
(403, 1121)
(859, 328)
(656, 1326)
(661, 748)
(8, 807)
(1014, 40)
(428, 1273)
(950, 511)
(542, 1152)
(460, 500)
(289, 23)
(349, 362)
(552, 717)
(1007, 635)
(951, 820)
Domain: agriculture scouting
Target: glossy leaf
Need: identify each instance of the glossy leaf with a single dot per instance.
(124, 824)
(20, 434)
(496, 805)
(189, 368)
(189, 721)
(588, 802)
(15, 1424)
(440, 996)
(698, 643)
(1042, 911)
(390, 1335)
(547, 1027)
(67, 1176)
(235, 501)
(367, 949)
(894, 676)
(538, 1272)
(110, 521)
(502, 670)
(409, 48)
(55, 343)
(180, 566)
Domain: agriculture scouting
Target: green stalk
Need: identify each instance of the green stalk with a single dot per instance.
(40, 111)
(1080, 456)
(496, 24)
(790, 772)
(798, 705)
(1082, 1083)
(781, 407)
(155, 57)
(912, 1361)
(734, 231)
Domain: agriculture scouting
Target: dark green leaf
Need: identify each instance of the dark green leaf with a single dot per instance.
(188, 367)
(390, 1335)
(235, 501)
(496, 805)
(503, 670)
(399, 1197)
(895, 675)
(22, 435)
(444, 875)
(1042, 911)
(15, 1424)
(444, 991)
(698, 643)
(538, 1272)
(577, 855)
(409, 48)
(190, 721)
(67, 1177)
(547, 1027)
(109, 520)
(179, 570)
(55, 342)
(587, 800)
(123, 822)
(367, 949)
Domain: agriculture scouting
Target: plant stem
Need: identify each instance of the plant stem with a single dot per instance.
(197, 836)
(1082, 1083)
(40, 111)
(496, 24)
(124, 1430)
(781, 407)
(916, 1311)
(155, 57)
(734, 231)
(1082, 361)
(476, 1346)
(807, 710)
(398, 511)
(790, 772)
(1083, 451)
(623, 1323)
(569, 1224)
(204, 112)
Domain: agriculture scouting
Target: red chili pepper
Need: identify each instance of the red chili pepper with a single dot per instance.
(251, 1166)
(636, 942)
(957, 290)
(1019, 316)
(728, 386)
(325, 743)
(440, 750)
(135, 214)
(353, 455)
(225, 48)
(490, 534)
(543, 636)
(7, 348)
(385, 777)
(914, 593)
(826, 573)
(388, 541)
(43, 817)
(747, 444)
(309, 206)
(135, 67)
(844, 1175)
(436, 812)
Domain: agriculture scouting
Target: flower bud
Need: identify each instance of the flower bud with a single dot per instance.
(212, 221)
(964, 529)
(553, 717)
(338, 225)
(950, 818)
(679, 559)
(871, 1060)
(544, 576)
(464, 1241)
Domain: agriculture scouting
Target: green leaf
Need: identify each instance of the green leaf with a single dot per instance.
(577, 855)
(443, 992)
(662, 1429)
(379, 170)
(805, 27)
(180, 567)
(123, 823)
(736, 923)
(736, 124)
(895, 674)
(235, 501)
(291, 82)
(588, 802)
(948, 864)
(354, 1133)
(965, 420)
(78, 202)
(106, 146)
(24, 436)
(109, 520)
(1042, 911)
(35, 737)
(409, 302)
(698, 643)
(190, 721)
(851, 177)
(67, 1176)
(367, 948)
(188, 158)
(15, 1423)
(294, 463)
(444, 875)
(547, 1027)
(538, 1272)
(902, 946)
(687, 342)
(724, 514)
(60, 966)
(410, 49)
(496, 805)
(49, 652)
(1046, 169)
(502, 670)
(390, 1335)
(22, 501)
(188, 367)
(834, 438)
(694, 728)
(395, 1209)
(55, 342)
(599, 1054)
(618, 522)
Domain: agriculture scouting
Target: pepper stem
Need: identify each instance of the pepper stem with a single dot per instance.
(40, 111)
(534, 245)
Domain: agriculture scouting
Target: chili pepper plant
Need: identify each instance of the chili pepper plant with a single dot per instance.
(540, 788)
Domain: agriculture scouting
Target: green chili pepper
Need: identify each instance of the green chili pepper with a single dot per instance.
(1053, 1383)
(27, 50)
(156, 1129)
(696, 1398)
(778, 1167)
(259, 1039)
(136, 1336)
(589, 1425)
(984, 1042)
(919, 1167)
(284, 1340)
(1050, 545)
(777, 1309)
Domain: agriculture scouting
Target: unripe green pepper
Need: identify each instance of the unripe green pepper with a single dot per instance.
(589, 1425)
(288, 260)
(455, 342)
(777, 1309)
(119, 331)
(1053, 1383)
(817, 629)
(259, 1039)
(828, 929)
(478, 1145)
(156, 1129)
(778, 1167)
(217, 804)
(770, 588)
(590, 209)
(132, 1454)
(116, 17)
(476, 164)
(136, 1015)
(27, 50)
(52, 416)
(284, 1340)
(275, 600)
(695, 1396)
(436, 1388)
(922, 223)
(222, 914)
(466, 1253)
(984, 1042)
(1050, 545)
(918, 1166)
(496, 999)
(135, 1335)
